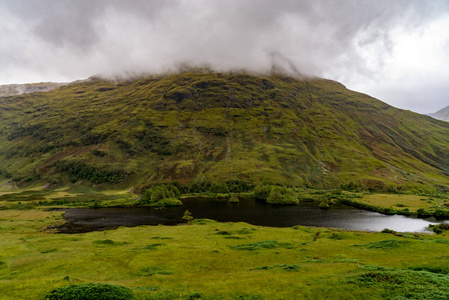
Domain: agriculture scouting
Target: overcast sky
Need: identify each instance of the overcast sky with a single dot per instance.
(394, 50)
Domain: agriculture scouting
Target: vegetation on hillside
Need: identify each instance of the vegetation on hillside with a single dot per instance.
(202, 126)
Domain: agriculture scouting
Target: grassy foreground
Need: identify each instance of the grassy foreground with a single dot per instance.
(210, 260)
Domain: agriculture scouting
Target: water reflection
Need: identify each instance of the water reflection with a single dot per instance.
(249, 211)
(307, 214)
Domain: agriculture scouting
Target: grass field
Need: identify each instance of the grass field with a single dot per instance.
(211, 260)
(65, 197)
(429, 205)
(413, 202)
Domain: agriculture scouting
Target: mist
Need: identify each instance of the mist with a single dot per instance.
(355, 42)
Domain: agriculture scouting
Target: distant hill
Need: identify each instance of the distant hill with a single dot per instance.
(442, 114)
(201, 126)
(19, 89)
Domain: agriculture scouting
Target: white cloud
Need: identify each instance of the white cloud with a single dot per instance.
(416, 72)
(393, 49)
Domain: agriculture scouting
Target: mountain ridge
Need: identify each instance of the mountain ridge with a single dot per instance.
(26, 88)
(197, 126)
(442, 114)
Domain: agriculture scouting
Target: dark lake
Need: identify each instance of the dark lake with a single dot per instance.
(248, 210)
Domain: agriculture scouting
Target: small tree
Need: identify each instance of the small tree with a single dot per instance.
(161, 195)
(281, 195)
(262, 191)
(234, 198)
(187, 217)
(219, 188)
(275, 196)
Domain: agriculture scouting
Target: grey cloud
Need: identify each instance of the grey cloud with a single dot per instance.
(320, 37)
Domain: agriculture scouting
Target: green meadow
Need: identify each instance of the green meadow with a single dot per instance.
(211, 260)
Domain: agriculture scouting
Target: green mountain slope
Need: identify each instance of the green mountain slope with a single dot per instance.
(442, 114)
(207, 126)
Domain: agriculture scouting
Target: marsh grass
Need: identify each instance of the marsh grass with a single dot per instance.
(65, 197)
(193, 260)
(384, 245)
(161, 238)
(153, 246)
(91, 291)
(397, 201)
(232, 234)
(281, 267)
(109, 242)
(403, 284)
(261, 245)
(150, 271)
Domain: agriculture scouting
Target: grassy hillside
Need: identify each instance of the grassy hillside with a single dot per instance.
(201, 126)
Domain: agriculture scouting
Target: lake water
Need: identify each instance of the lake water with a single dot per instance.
(248, 210)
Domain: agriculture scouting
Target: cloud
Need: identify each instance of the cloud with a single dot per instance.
(352, 41)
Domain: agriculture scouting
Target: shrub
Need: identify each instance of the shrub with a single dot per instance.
(262, 191)
(282, 267)
(436, 270)
(187, 217)
(247, 297)
(166, 202)
(351, 186)
(419, 283)
(219, 188)
(385, 244)
(150, 271)
(439, 227)
(91, 291)
(444, 226)
(238, 186)
(423, 212)
(234, 198)
(260, 245)
(98, 153)
(109, 242)
(324, 204)
(199, 187)
(220, 196)
(161, 195)
(387, 210)
(153, 246)
(281, 195)
(80, 170)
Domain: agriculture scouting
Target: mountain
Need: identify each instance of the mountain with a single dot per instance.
(19, 89)
(442, 114)
(201, 125)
